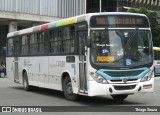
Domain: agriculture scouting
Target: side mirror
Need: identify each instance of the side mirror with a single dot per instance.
(88, 41)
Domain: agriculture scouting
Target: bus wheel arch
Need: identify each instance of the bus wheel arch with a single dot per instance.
(67, 87)
(25, 81)
(64, 75)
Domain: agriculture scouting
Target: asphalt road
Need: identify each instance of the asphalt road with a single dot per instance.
(12, 94)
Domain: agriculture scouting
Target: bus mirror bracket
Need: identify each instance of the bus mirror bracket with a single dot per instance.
(88, 41)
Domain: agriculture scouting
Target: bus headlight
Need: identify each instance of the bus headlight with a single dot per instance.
(147, 77)
(98, 78)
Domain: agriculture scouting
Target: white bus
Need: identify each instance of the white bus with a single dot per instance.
(95, 54)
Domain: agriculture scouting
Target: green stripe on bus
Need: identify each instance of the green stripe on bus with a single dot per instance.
(66, 22)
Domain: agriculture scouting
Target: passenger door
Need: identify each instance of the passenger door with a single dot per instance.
(16, 58)
(82, 35)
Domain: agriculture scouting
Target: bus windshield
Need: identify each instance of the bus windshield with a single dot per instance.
(121, 48)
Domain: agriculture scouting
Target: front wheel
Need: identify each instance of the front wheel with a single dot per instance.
(119, 97)
(68, 90)
(26, 85)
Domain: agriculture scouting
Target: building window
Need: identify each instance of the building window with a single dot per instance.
(106, 6)
(92, 6)
(109, 5)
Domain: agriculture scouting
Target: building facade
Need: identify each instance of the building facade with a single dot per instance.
(19, 14)
(121, 5)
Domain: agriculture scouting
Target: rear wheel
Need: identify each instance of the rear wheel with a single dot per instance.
(119, 97)
(68, 90)
(26, 85)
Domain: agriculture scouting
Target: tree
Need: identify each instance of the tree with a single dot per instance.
(156, 35)
(155, 27)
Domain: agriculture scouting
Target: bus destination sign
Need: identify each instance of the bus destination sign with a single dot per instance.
(119, 21)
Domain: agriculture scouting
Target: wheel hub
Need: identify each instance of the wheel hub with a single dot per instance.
(69, 88)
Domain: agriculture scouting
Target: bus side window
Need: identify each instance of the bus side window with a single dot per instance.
(25, 45)
(52, 35)
(68, 39)
(55, 41)
(33, 44)
(43, 43)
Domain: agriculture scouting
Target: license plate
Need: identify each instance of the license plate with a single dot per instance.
(149, 86)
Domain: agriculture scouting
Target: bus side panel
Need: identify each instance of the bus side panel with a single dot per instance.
(10, 68)
(43, 70)
(73, 70)
(37, 68)
(56, 67)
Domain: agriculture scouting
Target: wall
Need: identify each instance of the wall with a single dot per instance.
(56, 8)
(3, 32)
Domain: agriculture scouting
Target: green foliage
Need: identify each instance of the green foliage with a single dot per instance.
(155, 27)
(140, 10)
(143, 11)
(156, 35)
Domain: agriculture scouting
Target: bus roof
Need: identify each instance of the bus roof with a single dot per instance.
(66, 21)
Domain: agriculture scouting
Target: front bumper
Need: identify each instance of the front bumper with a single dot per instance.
(97, 89)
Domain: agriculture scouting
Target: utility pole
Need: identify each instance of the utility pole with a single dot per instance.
(100, 5)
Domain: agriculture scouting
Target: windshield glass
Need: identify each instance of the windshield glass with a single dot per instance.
(121, 48)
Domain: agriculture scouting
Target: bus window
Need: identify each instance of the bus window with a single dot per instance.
(33, 44)
(25, 45)
(43, 43)
(68, 40)
(56, 42)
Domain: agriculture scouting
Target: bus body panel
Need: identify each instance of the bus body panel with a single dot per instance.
(9, 68)
(99, 89)
(42, 74)
(58, 66)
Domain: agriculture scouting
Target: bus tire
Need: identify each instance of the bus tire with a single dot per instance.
(26, 85)
(119, 97)
(67, 89)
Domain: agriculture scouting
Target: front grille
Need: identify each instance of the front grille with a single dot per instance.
(124, 73)
(129, 87)
(121, 80)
